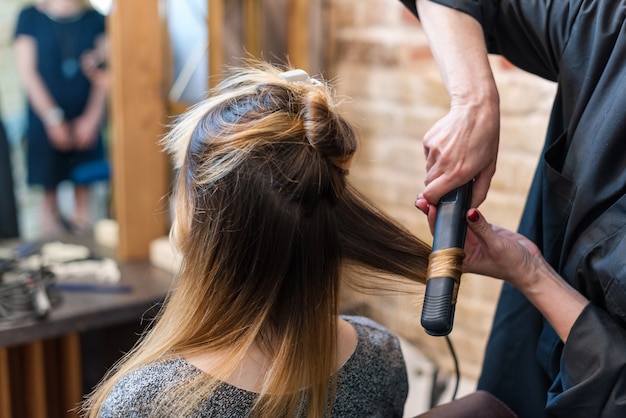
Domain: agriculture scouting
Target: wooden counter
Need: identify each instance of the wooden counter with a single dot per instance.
(41, 363)
(81, 311)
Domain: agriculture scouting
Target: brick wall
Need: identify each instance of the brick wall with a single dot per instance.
(381, 61)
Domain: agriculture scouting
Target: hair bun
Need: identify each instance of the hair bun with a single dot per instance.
(328, 132)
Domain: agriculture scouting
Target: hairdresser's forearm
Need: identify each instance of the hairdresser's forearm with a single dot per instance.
(458, 45)
(559, 303)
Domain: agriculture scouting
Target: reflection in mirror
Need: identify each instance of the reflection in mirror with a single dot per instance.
(188, 36)
(46, 90)
(251, 28)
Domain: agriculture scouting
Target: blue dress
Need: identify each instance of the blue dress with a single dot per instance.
(60, 43)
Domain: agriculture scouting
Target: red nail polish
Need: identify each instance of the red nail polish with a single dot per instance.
(473, 216)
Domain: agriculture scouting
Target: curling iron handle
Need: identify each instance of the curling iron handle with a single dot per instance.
(450, 230)
(439, 304)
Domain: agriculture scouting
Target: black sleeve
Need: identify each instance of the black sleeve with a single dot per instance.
(592, 374)
(530, 33)
(410, 4)
(473, 8)
(25, 23)
(592, 380)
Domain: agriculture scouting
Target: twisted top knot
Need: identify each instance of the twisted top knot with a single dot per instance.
(326, 131)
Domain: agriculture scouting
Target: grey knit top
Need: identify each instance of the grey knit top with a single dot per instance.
(372, 383)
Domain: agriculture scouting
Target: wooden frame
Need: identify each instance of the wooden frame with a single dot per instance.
(5, 384)
(298, 32)
(41, 379)
(138, 118)
(216, 31)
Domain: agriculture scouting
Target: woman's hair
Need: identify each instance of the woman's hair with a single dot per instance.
(267, 226)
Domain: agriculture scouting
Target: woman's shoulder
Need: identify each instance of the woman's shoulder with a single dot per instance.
(374, 340)
(136, 391)
(368, 328)
(373, 382)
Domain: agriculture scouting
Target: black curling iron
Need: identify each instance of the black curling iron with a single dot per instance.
(450, 230)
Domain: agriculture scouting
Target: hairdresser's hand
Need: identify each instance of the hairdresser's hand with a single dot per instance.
(462, 146)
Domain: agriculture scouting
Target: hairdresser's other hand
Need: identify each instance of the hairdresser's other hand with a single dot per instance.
(85, 129)
(60, 136)
(497, 252)
(491, 250)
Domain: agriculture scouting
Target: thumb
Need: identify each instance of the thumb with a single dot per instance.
(478, 225)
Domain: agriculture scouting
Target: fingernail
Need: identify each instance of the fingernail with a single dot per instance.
(473, 216)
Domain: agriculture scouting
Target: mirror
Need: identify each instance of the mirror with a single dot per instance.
(256, 27)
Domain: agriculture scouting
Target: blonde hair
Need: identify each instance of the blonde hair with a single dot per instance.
(266, 223)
